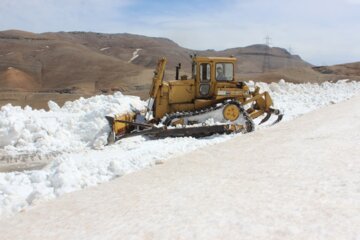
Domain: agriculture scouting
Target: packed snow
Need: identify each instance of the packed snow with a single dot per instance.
(296, 99)
(75, 126)
(135, 55)
(79, 130)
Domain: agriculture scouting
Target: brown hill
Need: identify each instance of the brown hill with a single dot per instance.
(88, 62)
(57, 65)
(342, 71)
(122, 46)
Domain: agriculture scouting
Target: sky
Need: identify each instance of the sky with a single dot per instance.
(322, 32)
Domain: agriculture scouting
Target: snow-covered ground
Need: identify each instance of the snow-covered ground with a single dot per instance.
(297, 180)
(78, 130)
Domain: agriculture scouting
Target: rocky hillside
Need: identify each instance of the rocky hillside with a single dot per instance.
(349, 70)
(89, 62)
(40, 62)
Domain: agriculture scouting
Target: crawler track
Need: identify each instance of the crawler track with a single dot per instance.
(214, 112)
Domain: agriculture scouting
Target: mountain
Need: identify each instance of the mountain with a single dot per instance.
(86, 63)
(49, 63)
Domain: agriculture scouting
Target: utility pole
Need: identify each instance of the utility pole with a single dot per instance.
(266, 62)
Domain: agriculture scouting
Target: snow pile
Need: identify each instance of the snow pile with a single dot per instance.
(80, 125)
(73, 127)
(296, 99)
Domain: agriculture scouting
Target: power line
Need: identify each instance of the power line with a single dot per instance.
(266, 62)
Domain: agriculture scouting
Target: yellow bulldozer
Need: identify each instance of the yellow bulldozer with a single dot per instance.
(210, 102)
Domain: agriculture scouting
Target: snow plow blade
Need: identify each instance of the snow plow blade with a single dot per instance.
(155, 132)
(118, 128)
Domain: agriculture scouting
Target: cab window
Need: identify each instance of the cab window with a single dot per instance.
(204, 72)
(224, 72)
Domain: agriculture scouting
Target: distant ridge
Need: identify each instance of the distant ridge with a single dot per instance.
(89, 62)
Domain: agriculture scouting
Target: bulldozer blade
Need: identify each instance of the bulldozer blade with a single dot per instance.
(135, 123)
(111, 136)
(110, 121)
(268, 115)
(280, 116)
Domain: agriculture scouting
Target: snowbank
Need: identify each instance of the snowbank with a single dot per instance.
(80, 127)
(296, 99)
(73, 127)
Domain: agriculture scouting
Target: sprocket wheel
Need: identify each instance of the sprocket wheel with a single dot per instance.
(231, 112)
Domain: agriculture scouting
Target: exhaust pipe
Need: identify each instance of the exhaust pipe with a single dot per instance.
(178, 67)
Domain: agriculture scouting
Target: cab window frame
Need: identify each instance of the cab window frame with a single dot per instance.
(204, 70)
(222, 64)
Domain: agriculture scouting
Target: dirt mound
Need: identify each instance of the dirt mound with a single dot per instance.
(87, 62)
(349, 70)
(14, 78)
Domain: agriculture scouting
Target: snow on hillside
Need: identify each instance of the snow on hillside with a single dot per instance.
(79, 131)
(135, 55)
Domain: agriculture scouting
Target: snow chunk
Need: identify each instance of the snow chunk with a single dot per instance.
(75, 126)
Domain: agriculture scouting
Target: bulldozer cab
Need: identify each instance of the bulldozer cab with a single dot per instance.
(209, 72)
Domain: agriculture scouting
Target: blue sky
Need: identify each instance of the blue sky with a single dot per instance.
(320, 31)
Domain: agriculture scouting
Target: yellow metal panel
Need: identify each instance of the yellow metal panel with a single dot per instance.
(158, 77)
(181, 91)
(232, 92)
(119, 127)
(203, 103)
(162, 101)
(181, 107)
(216, 59)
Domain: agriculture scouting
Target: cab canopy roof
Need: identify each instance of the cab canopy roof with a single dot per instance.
(214, 59)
